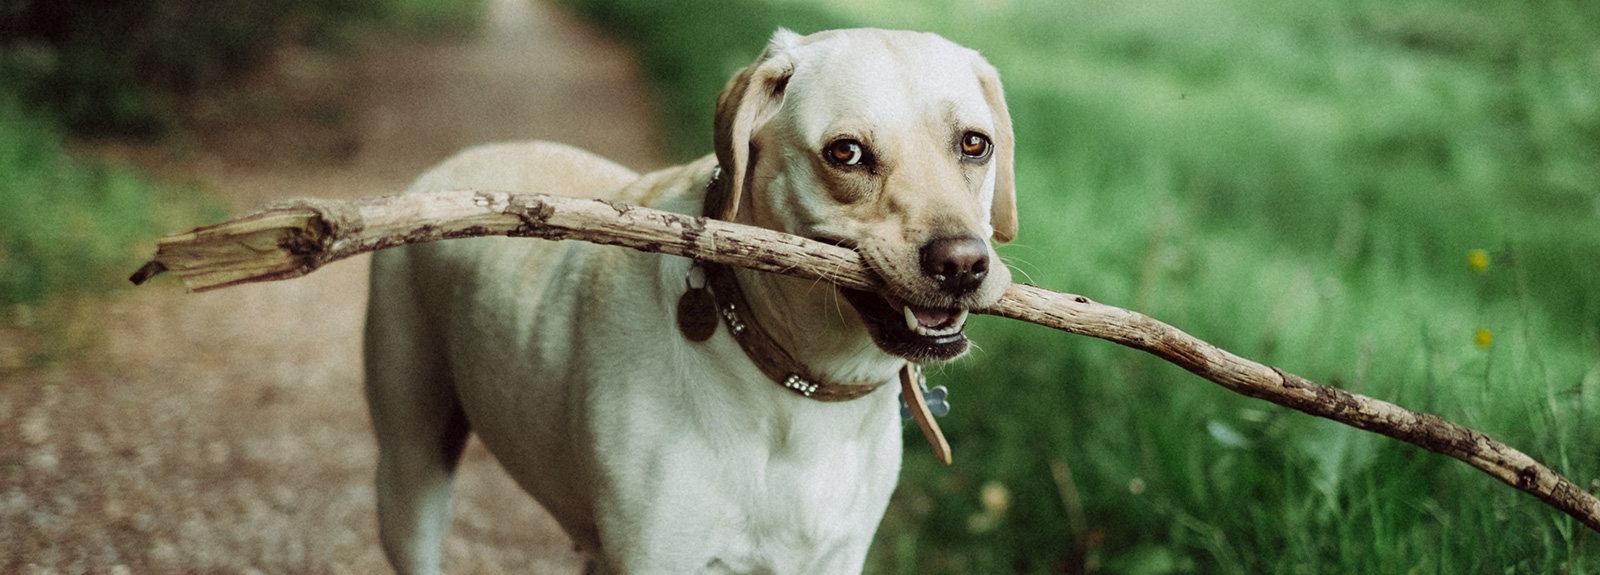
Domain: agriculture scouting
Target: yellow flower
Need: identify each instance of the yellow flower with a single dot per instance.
(1478, 260)
(995, 497)
(1482, 337)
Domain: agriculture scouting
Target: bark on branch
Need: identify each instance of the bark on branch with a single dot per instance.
(295, 238)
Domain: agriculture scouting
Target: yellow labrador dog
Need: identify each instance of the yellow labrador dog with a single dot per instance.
(678, 417)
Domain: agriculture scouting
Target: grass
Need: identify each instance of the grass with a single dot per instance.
(1301, 184)
(72, 228)
(71, 225)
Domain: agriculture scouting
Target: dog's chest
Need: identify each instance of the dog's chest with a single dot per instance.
(805, 503)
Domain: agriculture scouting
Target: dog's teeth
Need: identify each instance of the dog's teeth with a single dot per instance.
(955, 323)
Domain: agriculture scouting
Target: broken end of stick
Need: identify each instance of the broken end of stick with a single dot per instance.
(150, 269)
(277, 243)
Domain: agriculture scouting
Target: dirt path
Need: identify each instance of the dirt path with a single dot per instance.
(226, 432)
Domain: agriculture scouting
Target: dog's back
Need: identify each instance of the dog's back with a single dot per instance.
(416, 412)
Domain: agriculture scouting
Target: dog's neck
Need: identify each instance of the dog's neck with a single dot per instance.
(828, 361)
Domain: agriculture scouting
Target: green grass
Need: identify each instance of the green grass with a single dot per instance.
(72, 226)
(1298, 183)
(71, 230)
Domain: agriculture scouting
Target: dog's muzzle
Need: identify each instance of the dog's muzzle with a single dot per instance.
(957, 266)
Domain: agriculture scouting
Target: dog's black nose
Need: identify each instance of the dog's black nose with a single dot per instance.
(958, 264)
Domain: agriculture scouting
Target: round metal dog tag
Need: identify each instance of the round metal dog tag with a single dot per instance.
(697, 310)
(697, 314)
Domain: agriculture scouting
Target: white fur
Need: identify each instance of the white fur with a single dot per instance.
(657, 454)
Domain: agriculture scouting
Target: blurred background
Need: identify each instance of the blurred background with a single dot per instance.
(1401, 199)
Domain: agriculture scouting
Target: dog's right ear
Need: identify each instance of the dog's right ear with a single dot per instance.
(746, 103)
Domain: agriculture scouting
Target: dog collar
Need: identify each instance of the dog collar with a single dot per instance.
(726, 301)
(768, 355)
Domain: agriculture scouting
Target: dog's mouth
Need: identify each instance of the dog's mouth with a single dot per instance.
(920, 334)
(923, 334)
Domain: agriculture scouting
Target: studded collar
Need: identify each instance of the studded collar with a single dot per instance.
(770, 357)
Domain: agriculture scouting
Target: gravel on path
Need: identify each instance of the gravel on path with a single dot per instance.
(226, 432)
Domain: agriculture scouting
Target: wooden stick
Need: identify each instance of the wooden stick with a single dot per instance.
(295, 238)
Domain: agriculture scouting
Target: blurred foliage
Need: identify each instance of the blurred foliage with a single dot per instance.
(117, 67)
(124, 68)
(1398, 198)
(690, 49)
(73, 226)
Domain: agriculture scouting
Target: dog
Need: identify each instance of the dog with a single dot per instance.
(621, 389)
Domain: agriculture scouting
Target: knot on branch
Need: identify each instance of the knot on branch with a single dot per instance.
(334, 219)
(535, 216)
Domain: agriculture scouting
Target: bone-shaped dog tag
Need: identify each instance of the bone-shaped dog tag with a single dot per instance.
(697, 311)
(937, 398)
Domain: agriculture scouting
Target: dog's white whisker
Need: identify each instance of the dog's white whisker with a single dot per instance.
(1016, 264)
(1027, 277)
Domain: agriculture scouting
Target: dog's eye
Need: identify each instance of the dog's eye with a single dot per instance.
(846, 153)
(975, 146)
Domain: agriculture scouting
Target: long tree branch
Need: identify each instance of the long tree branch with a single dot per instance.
(295, 238)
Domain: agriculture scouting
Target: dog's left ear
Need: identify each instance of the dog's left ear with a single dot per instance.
(745, 104)
(1003, 212)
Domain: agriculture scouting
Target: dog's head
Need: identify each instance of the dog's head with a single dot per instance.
(897, 144)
